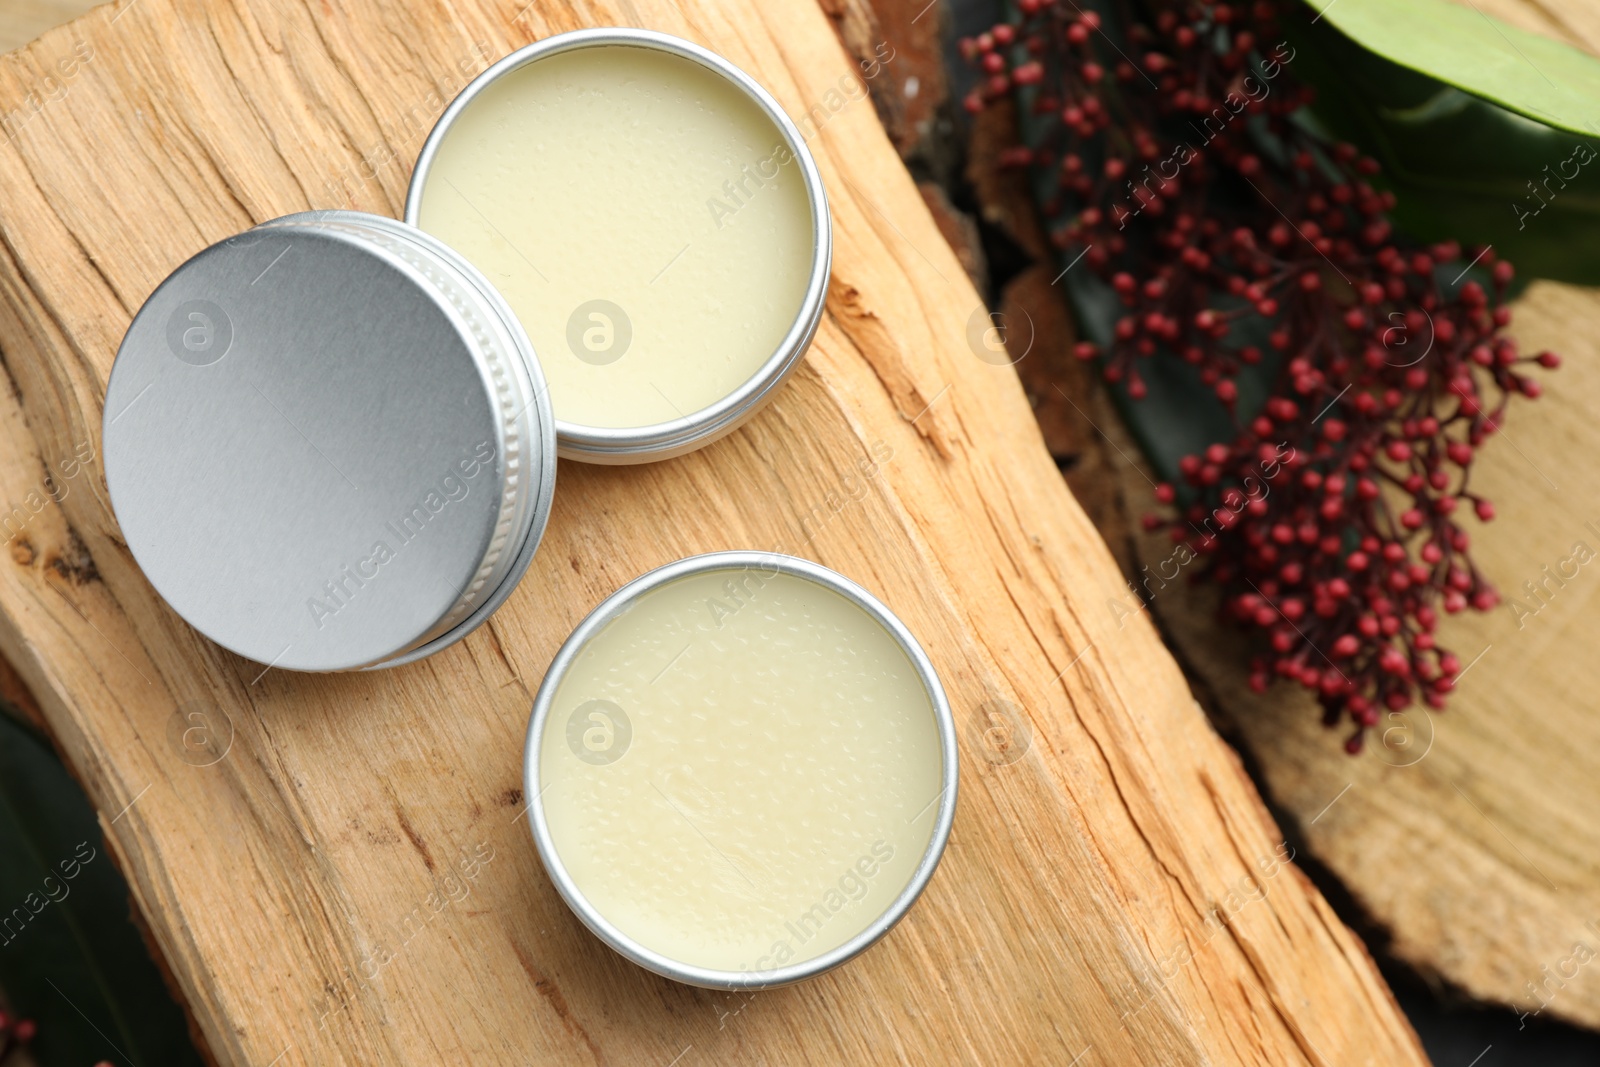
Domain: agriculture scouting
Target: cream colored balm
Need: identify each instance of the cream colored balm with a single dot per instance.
(645, 219)
(741, 772)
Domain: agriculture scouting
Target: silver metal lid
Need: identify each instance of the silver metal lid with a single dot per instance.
(328, 443)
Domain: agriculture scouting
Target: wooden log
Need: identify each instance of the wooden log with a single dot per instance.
(1113, 892)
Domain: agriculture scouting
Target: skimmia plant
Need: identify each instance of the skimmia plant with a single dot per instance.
(1176, 164)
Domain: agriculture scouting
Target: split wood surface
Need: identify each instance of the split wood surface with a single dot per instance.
(1113, 892)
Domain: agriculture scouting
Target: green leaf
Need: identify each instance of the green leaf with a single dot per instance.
(70, 958)
(1461, 167)
(1458, 44)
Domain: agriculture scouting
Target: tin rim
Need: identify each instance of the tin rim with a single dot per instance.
(542, 496)
(539, 497)
(664, 440)
(617, 604)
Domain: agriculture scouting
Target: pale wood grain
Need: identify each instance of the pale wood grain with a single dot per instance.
(1095, 898)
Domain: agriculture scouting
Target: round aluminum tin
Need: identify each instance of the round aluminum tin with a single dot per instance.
(328, 443)
(645, 444)
(619, 603)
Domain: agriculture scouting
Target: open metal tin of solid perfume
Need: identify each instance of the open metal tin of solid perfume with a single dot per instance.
(655, 219)
(741, 770)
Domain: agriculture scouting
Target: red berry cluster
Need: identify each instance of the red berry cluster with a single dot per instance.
(14, 1033)
(1235, 237)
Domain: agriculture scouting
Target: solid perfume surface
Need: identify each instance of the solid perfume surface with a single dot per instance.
(643, 216)
(741, 770)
